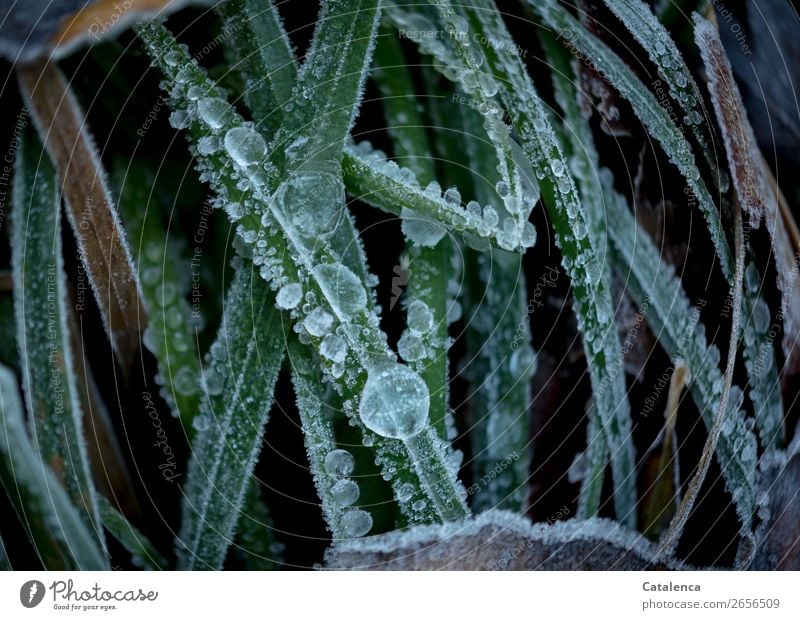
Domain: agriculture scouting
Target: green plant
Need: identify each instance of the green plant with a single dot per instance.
(273, 140)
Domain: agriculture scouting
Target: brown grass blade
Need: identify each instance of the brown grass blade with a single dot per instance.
(756, 188)
(104, 252)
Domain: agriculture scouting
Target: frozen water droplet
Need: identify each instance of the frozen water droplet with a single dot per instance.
(334, 348)
(356, 523)
(245, 146)
(502, 189)
(761, 316)
(201, 423)
(289, 296)
(421, 230)
(405, 492)
(419, 317)
(522, 362)
(345, 492)
(313, 202)
(395, 401)
(319, 322)
(410, 346)
(339, 463)
(342, 288)
(185, 382)
(213, 111)
(213, 383)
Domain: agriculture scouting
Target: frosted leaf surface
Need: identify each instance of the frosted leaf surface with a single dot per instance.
(395, 402)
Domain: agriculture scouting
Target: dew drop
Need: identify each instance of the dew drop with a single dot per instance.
(339, 463)
(245, 146)
(395, 401)
(289, 296)
(345, 492)
(356, 523)
(213, 111)
(419, 317)
(342, 288)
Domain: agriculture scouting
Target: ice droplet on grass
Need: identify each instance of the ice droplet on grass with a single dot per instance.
(395, 402)
(345, 492)
(319, 322)
(245, 146)
(289, 296)
(213, 111)
(314, 201)
(356, 523)
(339, 463)
(419, 317)
(420, 230)
(334, 348)
(342, 288)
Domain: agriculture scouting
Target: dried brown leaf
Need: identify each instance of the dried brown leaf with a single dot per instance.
(62, 127)
(500, 540)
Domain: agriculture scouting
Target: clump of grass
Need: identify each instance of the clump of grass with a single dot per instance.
(276, 144)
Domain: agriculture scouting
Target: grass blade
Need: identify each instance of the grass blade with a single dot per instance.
(101, 240)
(233, 413)
(43, 337)
(675, 322)
(59, 535)
(580, 247)
(757, 199)
(143, 552)
(645, 105)
(289, 250)
(164, 285)
(255, 533)
(424, 344)
(503, 360)
(659, 46)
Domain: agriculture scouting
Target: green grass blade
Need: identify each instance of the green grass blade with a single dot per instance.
(5, 563)
(425, 346)
(55, 527)
(164, 287)
(640, 21)
(143, 553)
(579, 144)
(502, 358)
(380, 182)
(675, 323)
(330, 466)
(291, 252)
(50, 388)
(647, 107)
(257, 38)
(256, 542)
(579, 245)
(238, 384)
(329, 86)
